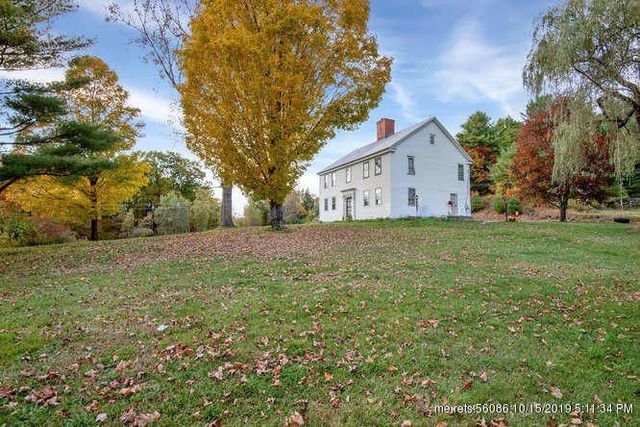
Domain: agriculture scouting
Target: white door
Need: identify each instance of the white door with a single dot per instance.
(453, 203)
(348, 207)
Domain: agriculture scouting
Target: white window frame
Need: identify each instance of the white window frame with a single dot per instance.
(366, 196)
(460, 172)
(333, 203)
(365, 170)
(378, 196)
(411, 165)
(348, 174)
(411, 200)
(377, 165)
(326, 181)
(326, 204)
(333, 179)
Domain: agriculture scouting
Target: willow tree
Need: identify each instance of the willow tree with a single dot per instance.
(586, 52)
(268, 82)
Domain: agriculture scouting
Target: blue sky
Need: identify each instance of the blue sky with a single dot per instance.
(451, 58)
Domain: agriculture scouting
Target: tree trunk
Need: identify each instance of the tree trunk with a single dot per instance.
(94, 229)
(276, 215)
(564, 204)
(506, 208)
(226, 213)
(93, 197)
(5, 184)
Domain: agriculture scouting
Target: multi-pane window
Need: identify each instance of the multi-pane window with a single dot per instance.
(333, 203)
(412, 197)
(377, 162)
(326, 181)
(326, 204)
(365, 198)
(365, 169)
(411, 166)
(378, 195)
(460, 172)
(432, 139)
(333, 179)
(348, 174)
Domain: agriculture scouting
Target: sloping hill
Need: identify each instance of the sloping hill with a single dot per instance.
(362, 323)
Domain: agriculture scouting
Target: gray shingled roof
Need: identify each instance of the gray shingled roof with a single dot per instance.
(388, 144)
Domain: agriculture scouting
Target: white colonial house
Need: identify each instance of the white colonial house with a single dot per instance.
(420, 171)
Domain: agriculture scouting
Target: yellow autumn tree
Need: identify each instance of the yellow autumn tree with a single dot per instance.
(268, 83)
(80, 200)
(97, 98)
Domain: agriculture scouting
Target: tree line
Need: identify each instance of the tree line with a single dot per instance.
(66, 160)
(578, 139)
(264, 85)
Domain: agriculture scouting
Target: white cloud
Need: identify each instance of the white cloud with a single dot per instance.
(99, 7)
(471, 69)
(405, 101)
(154, 106)
(96, 6)
(46, 75)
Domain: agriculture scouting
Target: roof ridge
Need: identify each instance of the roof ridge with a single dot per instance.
(385, 144)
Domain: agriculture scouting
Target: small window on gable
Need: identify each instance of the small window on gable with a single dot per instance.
(460, 172)
(348, 174)
(326, 204)
(365, 198)
(412, 197)
(333, 179)
(365, 170)
(432, 139)
(333, 203)
(377, 162)
(411, 167)
(378, 194)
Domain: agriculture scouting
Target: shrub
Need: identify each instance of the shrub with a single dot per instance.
(128, 222)
(23, 230)
(205, 212)
(173, 215)
(513, 205)
(478, 203)
(141, 232)
(18, 229)
(51, 231)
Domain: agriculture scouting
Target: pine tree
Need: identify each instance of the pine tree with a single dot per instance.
(42, 139)
(25, 42)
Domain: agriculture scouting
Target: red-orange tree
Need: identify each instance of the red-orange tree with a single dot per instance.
(534, 164)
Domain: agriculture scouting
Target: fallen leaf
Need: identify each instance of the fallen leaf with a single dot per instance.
(294, 420)
(556, 392)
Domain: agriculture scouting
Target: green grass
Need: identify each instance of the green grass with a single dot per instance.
(361, 323)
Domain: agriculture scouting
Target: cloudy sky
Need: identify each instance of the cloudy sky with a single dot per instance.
(451, 58)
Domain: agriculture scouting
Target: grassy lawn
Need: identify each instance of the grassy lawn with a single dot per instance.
(362, 323)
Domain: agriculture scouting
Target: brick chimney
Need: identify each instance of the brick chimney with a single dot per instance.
(386, 127)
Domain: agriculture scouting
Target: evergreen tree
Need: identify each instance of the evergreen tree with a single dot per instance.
(42, 139)
(478, 137)
(25, 43)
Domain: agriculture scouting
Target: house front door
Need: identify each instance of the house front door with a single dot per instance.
(453, 203)
(348, 207)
